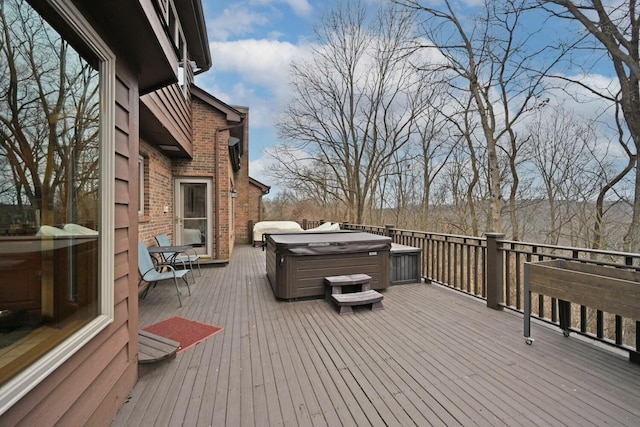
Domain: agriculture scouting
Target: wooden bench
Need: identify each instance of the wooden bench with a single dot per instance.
(345, 301)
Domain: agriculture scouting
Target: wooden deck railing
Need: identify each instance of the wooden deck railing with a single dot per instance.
(492, 268)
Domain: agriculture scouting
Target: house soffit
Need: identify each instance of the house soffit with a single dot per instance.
(263, 187)
(232, 114)
(234, 117)
(135, 30)
(153, 131)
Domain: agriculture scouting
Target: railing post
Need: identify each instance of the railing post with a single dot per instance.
(345, 225)
(304, 224)
(388, 230)
(495, 279)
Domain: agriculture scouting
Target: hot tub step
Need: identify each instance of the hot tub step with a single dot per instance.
(348, 280)
(345, 302)
(335, 283)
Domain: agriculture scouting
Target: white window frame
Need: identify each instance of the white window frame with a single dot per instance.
(183, 63)
(178, 206)
(26, 380)
(180, 43)
(140, 185)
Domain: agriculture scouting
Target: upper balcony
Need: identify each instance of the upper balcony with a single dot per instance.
(165, 111)
(433, 356)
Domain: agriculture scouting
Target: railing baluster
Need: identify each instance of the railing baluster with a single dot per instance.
(599, 324)
(479, 270)
(467, 266)
(510, 275)
(618, 331)
(541, 306)
(519, 284)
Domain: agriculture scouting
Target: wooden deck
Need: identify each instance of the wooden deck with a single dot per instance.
(431, 357)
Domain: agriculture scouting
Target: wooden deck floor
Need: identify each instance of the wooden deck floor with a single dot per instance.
(431, 357)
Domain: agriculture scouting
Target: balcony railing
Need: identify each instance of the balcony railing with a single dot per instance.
(492, 268)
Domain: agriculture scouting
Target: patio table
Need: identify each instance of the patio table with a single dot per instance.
(175, 250)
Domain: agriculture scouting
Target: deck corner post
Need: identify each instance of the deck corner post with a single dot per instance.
(388, 230)
(495, 279)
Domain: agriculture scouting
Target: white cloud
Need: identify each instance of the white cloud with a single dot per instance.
(257, 61)
(248, 17)
(263, 67)
(299, 7)
(583, 101)
(236, 20)
(259, 169)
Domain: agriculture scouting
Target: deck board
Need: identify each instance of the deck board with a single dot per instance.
(154, 348)
(431, 357)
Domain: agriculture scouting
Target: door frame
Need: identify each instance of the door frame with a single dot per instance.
(178, 204)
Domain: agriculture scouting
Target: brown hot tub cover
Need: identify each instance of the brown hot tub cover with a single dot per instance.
(329, 243)
(297, 263)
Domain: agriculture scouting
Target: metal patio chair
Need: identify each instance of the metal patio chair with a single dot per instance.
(183, 258)
(152, 274)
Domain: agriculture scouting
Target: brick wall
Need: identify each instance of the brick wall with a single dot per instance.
(242, 204)
(158, 188)
(206, 121)
(254, 211)
(231, 215)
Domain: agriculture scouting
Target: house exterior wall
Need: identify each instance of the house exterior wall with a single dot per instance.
(158, 194)
(211, 162)
(254, 206)
(241, 211)
(232, 202)
(90, 387)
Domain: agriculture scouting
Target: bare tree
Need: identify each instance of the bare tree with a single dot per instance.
(610, 186)
(561, 150)
(408, 185)
(491, 59)
(615, 27)
(466, 198)
(356, 102)
(49, 105)
(436, 145)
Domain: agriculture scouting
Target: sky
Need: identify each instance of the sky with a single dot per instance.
(252, 43)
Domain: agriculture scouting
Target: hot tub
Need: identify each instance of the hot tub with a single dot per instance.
(298, 263)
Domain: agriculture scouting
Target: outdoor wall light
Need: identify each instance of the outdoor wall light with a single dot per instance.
(234, 193)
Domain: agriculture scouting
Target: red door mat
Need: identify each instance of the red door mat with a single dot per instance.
(187, 332)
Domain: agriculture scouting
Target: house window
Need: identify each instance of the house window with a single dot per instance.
(180, 45)
(141, 185)
(183, 66)
(56, 191)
